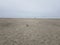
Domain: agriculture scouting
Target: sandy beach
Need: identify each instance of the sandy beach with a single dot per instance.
(29, 31)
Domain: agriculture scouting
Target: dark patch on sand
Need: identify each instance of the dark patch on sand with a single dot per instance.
(5, 24)
(27, 25)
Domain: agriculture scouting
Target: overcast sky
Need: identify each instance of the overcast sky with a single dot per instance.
(29, 8)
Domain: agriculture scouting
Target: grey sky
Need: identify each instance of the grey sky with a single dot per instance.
(29, 8)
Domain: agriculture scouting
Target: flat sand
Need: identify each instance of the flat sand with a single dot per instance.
(29, 31)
